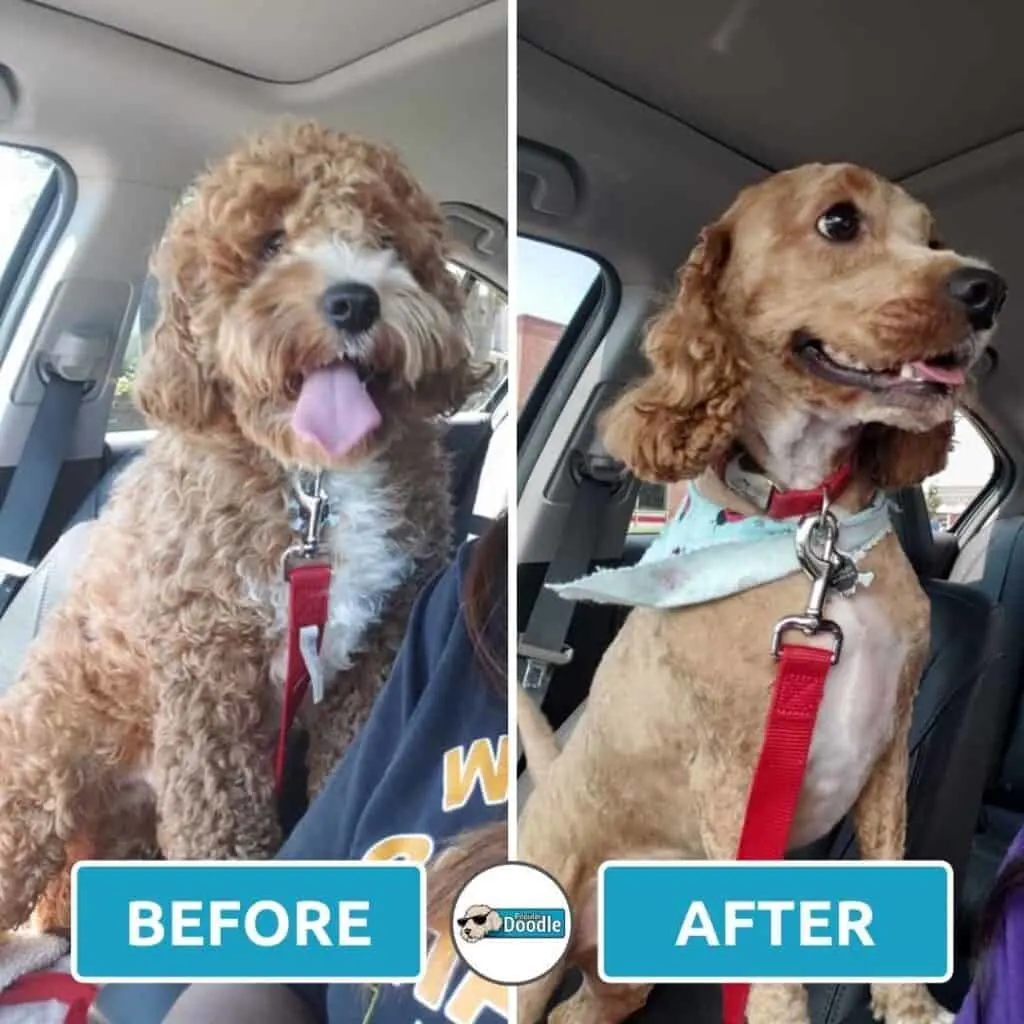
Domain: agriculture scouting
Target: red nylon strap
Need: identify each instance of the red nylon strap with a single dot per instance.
(56, 986)
(787, 504)
(796, 697)
(308, 594)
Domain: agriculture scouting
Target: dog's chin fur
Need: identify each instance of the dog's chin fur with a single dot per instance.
(150, 698)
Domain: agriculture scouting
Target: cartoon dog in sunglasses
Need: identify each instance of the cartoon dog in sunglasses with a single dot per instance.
(478, 922)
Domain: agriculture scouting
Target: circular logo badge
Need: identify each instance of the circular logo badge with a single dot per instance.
(511, 923)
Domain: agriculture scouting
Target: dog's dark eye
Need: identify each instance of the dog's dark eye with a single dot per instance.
(272, 244)
(840, 223)
(386, 239)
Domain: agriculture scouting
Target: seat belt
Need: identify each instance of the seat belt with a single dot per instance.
(542, 647)
(34, 479)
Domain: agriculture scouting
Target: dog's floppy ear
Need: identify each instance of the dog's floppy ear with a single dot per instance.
(171, 388)
(493, 923)
(893, 458)
(672, 424)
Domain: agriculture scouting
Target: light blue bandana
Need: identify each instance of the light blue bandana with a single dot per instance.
(701, 556)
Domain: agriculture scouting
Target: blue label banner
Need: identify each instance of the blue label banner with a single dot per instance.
(780, 921)
(530, 924)
(277, 921)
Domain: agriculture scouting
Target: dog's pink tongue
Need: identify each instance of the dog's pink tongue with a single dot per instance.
(951, 375)
(334, 409)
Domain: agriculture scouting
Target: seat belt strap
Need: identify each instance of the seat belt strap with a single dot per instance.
(542, 646)
(34, 479)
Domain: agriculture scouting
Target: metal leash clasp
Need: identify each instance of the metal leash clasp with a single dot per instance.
(816, 537)
(313, 505)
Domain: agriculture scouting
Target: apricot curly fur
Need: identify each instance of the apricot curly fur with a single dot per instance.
(688, 410)
(145, 714)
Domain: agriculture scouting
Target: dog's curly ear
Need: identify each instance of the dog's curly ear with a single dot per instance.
(493, 921)
(171, 387)
(673, 423)
(893, 458)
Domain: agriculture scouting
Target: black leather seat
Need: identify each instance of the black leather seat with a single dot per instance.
(955, 724)
(993, 563)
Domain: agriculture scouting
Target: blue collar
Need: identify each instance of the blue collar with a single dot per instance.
(702, 556)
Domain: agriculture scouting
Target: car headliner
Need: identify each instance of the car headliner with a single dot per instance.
(285, 42)
(667, 109)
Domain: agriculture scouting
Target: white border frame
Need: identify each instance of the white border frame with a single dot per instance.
(249, 979)
(771, 979)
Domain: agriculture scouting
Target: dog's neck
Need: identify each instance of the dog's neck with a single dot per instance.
(796, 451)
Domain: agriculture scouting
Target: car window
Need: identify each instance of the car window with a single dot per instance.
(552, 283)
(487, 323)
(968, 472)
(24, 179)
(123, 414)
(485, 320)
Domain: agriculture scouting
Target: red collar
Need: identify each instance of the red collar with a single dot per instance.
(775, 502)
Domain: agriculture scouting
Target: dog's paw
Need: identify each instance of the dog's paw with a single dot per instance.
(937, 1016)
(907, 1004)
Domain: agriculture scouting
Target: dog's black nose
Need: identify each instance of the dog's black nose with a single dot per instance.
(981, 292)
(351, 306)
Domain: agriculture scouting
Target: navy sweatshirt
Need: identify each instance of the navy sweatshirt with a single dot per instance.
(430, 762)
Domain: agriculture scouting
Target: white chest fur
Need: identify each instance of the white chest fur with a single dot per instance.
(857, 715)
(368, 564)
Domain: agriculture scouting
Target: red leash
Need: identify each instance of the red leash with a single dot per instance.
(796, 697)
(309, 586)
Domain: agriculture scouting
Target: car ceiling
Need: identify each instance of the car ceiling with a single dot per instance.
(894, 84)
(667, 109)
(277, 42)
(119, 107)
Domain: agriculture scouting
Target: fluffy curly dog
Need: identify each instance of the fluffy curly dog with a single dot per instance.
(307, 321)
(819, 323)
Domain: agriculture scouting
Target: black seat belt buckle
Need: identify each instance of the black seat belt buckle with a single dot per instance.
(539, 663)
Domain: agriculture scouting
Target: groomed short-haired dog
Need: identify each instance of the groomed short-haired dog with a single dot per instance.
(819, 323)
(308, 322)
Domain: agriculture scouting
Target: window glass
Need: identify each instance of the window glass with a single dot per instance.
(123, 414)
(552, 282)
(23, 177)
(486, 319)
(968, 472)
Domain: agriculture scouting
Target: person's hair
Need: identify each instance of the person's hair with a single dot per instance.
(483, 605)
(1009, 884)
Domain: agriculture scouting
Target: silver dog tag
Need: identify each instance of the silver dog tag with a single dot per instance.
(845, 575)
